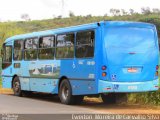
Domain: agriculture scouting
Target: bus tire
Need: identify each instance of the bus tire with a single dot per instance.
(109, 98)
(65, 93)
(17, 87)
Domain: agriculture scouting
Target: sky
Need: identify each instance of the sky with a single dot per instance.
(11, 10)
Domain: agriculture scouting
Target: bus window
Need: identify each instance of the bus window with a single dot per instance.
(7, 56)
(46, 47)
(85, 44)
(18, 47)
(65, 46)
(30, 50)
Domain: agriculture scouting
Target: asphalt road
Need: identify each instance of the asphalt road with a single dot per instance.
(39, 104)
(47, 104)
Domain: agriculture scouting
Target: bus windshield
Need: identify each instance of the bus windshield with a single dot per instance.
(130, 38)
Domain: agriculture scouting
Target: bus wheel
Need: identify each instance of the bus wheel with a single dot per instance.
(65, 93)
(109, 98)
(17, 87)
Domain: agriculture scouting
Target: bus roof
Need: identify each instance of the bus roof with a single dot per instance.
(79, 27)
(128, 24)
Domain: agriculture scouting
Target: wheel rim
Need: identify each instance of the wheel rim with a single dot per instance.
(65, 92)
(16, 86)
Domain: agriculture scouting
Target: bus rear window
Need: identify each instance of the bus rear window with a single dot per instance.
(130, 38)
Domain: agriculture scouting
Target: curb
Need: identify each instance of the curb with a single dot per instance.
(6, 91)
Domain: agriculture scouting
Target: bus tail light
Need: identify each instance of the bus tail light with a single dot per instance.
(156, 86)
(157, 67)
(104, 67)
(104, 74)
(156, 74)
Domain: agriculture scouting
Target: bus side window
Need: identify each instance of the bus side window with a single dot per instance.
(65, 46)
(7, 56)
(46, 47)
(85, 44)
(30, 50)
(18, 47)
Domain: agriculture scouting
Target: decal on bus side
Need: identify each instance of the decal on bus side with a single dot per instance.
(45, 70)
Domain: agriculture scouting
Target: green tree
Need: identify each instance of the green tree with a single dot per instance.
(146, 10)
(131, 11)
(156, 10)
(123, 12)
(115, 12)
(71, 14)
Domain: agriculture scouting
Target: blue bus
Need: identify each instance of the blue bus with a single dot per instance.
(106, 58)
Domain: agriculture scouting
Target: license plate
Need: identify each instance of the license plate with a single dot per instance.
(132, 87)
(132, 70)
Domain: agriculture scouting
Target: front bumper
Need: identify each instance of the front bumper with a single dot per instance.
(106, 86)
